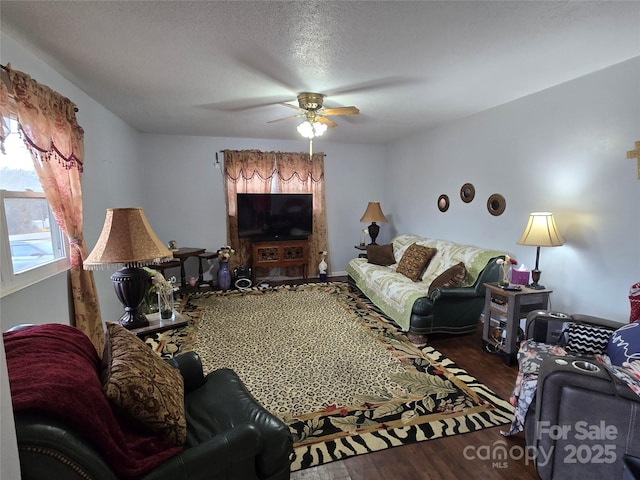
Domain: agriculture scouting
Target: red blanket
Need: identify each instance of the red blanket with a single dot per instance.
(54, 368)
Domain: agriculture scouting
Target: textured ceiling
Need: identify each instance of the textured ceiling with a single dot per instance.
(217, 68)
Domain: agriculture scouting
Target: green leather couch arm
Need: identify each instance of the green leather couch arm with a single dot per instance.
(455, 292)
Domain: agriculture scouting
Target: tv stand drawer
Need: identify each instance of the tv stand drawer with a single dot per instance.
(280, 254)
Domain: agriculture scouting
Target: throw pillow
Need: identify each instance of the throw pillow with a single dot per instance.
(451, 277)
(415, 260)
(624, 344)
(586, 339)
(381, 255)
(142, 385)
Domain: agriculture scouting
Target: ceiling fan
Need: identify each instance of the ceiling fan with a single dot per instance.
(316, 121)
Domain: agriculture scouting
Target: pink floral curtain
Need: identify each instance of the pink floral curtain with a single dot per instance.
(51, 132)
(246, 171)
(252, 171)
(299, 173)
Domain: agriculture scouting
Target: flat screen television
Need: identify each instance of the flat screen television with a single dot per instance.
(275, 216)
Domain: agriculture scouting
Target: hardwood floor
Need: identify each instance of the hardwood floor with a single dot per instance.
(444, 458)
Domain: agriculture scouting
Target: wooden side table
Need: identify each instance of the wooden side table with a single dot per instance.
(183, 254)
(180, 256)
(204, 257)
(508, 307)
(362, 249)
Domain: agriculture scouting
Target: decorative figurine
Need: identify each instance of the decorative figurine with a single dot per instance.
(322, 266)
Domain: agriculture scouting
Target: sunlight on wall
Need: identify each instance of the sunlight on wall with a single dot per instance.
(569, 177)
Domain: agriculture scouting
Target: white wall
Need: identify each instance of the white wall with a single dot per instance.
(184, 190)
(561, 150)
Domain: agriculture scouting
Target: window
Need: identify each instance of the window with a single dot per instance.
(32, 246)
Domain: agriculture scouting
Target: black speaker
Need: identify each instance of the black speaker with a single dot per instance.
(242, 277)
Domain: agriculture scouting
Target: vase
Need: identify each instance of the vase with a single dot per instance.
(224, 276)
(505, 275)
(165, 303)
(150, 303)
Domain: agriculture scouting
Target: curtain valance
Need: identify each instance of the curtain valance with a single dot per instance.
(47, 119)
(243, 165)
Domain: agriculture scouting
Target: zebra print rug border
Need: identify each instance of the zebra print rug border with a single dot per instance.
(434, 398)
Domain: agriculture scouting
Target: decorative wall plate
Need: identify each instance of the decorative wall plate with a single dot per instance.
(496, 204)
(467, 192)
(443, 203)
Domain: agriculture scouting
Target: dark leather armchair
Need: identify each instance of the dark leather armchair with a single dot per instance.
(583, 422)
(229, 436)
(453, 310)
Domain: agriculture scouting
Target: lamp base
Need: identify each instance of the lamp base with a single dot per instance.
(535, 276)
(131, 321)
(131, 284)
(374, 229)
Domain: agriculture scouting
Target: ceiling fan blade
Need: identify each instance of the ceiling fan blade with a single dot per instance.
(295, 107)
(379, 84)
(286, 118)
(327, 121)
(340, 111)
(243, 105)
(260, 61)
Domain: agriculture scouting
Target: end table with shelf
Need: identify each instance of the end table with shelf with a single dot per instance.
(509, 307)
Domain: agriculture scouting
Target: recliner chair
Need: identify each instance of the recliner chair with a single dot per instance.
(584, 421)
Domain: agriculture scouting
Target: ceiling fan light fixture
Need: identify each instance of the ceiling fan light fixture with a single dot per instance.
(319, 128)
(311, 130)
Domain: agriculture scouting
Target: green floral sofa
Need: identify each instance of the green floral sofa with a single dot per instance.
(451, 310)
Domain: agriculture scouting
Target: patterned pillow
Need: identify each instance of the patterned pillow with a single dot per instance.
(624, 344)
(381, 254)
(415, 260)
(451, 277)
(587, 339)
(142, 385)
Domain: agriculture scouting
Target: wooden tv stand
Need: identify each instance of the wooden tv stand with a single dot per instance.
(279, 254)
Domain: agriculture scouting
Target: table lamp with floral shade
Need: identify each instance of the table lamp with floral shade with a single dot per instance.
(127, 240)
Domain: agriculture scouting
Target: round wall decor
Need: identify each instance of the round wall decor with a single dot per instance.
(496, 204)
(443, 203)
(467, 192)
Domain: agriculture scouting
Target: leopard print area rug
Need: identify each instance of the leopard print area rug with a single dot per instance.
(336, 370)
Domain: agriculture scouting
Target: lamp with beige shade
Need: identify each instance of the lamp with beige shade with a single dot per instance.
(128, 240)
(373, 214)
(541, 231)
